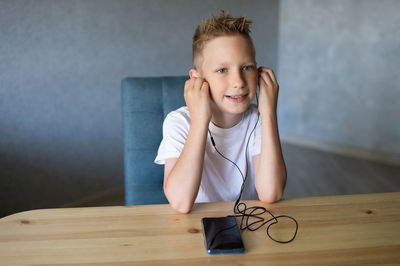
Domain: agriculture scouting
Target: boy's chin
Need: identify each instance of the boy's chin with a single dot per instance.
(236, 108)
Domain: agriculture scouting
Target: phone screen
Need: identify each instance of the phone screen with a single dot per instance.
(222, 235)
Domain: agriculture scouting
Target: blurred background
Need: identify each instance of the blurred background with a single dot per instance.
(62, 62)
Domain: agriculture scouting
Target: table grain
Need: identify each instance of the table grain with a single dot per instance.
(334, 230)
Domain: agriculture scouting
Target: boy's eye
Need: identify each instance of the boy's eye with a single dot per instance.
(247, 67)
(222, 70)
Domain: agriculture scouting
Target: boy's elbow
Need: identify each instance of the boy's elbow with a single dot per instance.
(183, 208)
(178, 204)
(271, 197)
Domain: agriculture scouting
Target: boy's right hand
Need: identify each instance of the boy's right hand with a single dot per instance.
(197, 98)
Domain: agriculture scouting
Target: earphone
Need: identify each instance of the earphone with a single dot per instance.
(240, 208)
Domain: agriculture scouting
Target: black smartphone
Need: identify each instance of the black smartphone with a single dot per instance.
(222, 235)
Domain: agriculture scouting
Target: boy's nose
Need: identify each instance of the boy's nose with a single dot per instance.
(238, 80)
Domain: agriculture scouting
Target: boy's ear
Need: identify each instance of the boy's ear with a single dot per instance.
(193, 73)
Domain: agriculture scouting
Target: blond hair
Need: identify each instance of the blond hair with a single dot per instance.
(218, 25)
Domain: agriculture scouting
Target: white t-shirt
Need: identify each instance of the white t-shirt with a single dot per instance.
(221, 180)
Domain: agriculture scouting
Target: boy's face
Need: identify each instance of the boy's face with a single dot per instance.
(228, 65)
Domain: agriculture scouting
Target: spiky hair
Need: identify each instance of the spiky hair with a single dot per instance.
(222, 24)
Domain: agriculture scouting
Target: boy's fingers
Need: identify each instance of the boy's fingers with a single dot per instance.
(198, 83)
(205, 86)
(188, 84)
(205, 89)
(272, 75)
(267, 79)
(269, 71)
(264, 84)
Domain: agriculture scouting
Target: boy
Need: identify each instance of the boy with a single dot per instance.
(218, 95)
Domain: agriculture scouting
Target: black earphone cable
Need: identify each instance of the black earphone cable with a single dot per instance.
(246, 213)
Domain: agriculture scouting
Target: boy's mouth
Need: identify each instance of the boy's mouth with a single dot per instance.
(236, 98)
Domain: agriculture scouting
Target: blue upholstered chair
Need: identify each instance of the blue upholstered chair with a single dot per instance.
(145, 103)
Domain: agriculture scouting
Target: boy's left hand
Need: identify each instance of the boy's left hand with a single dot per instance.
(268, 96)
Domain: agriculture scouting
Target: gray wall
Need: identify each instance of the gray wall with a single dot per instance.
(339, 71)
(61, 63)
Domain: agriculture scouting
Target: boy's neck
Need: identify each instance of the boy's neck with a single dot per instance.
(226, 120)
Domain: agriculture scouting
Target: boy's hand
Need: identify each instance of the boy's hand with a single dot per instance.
(268, 92)
(197, 98)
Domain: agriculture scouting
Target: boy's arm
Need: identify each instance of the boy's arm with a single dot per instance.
(269, 165)
(182, 176)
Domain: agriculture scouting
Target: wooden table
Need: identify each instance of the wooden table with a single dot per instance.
(335, 230)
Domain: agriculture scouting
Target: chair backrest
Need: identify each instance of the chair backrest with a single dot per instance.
(145, 103)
